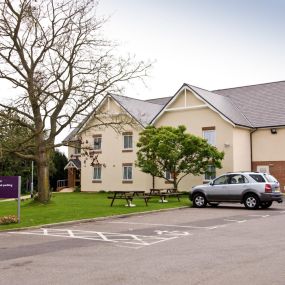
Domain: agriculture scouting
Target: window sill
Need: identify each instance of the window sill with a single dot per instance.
(127, 150)
(76, 155)
(96, 181)
(127, 181)
(168, 182)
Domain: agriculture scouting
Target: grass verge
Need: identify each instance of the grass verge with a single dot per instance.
(76, 206)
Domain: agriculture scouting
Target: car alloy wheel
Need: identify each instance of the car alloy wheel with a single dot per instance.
(251, 201)
(199, 201)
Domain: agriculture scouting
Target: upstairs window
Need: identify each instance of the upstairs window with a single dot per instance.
(97, 142)
(209, 134)
(128, 141)
(77, 148)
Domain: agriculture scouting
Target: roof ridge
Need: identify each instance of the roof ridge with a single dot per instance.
(250, 85)
(158, 98)
(111, 94)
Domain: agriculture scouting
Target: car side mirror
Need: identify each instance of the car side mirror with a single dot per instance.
(211, 183)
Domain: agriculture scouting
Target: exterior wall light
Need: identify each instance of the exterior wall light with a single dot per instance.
(273, 131)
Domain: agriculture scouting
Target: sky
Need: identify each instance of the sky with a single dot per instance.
(212, 44)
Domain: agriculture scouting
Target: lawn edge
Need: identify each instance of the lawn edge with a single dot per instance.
(94, 219)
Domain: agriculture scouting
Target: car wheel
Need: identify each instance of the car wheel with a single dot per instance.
(265, 205)
(251, 201)
(214, 204)
(199, 201)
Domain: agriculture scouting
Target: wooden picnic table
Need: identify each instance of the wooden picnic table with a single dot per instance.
(164, 192)
(128, 196)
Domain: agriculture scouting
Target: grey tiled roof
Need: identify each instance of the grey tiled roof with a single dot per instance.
(141, 110)
(262, 104)
(254, 106)
(223, 105)
(159, 101)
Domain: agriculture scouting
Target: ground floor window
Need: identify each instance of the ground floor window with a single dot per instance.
(211, 173)
(168, 175)
(127, 172)
(97, 172)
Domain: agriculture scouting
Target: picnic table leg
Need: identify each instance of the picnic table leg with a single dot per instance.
(113, 199)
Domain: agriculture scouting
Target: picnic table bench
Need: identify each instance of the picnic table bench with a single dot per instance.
(164, 193)
(128, 196)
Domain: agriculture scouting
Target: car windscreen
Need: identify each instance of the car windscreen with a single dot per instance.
(257, 177)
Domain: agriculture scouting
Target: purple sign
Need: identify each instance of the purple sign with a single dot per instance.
(9, 186)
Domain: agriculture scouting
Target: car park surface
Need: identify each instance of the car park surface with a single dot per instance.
(224, 245)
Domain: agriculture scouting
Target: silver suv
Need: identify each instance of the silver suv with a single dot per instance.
(253, 189)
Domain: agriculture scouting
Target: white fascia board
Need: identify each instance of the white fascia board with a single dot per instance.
(91, 114)
(185, 87)
(209, 106)
(170, 102)
(186, 108)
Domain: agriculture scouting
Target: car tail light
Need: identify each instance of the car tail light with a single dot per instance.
(268, 188)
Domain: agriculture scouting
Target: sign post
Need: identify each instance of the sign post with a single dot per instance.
(10, 187)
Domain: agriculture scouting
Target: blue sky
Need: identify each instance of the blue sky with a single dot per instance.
(208, 43)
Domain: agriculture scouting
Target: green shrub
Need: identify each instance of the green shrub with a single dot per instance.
(77, 189)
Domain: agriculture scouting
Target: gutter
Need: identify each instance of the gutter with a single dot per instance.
(251, 156)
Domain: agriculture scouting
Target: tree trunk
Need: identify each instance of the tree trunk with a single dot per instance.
(43, 174)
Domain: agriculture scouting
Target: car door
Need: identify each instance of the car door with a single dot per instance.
(218, 189)
(238, 183)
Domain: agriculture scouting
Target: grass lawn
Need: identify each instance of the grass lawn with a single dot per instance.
(76, 206)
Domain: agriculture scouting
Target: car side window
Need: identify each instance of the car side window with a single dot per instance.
(221, 180)
(238, 179)
(257, 177)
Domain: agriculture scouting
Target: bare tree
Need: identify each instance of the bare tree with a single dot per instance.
(53, 52)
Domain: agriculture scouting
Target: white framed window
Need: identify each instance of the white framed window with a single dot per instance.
(168, 175)
(127, 172)
(209, 134)
(97, 142)
(97, 174)
(211, 173)
(77, 148)
(128, 141)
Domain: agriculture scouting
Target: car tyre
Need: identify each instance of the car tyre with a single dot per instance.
(199, 201)
(266, 205)
(251, 202)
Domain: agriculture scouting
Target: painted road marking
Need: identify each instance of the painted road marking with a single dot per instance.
(131, 239)
(262, 216)
(164, 225)
(237, 221)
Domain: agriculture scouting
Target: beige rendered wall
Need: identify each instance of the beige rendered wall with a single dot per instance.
(195, 120)
(112, 157)
(241, 150)
(267, 146)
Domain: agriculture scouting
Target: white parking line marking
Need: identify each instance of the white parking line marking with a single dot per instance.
(164, 225)
(262, 216)
(216, 227)
(237, 221)
(130, 239)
